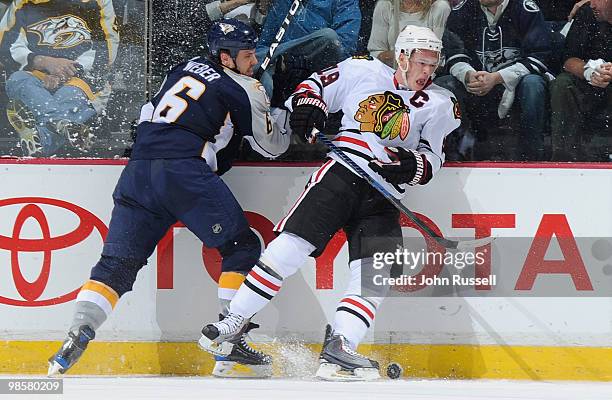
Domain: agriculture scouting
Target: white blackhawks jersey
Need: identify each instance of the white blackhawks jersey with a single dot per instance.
(377, 114)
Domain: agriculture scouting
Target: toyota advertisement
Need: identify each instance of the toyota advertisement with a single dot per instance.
(54, 217)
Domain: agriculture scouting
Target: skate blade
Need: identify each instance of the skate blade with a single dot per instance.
(54, 369)
(232, 369)
(335, 373)
(218, 349)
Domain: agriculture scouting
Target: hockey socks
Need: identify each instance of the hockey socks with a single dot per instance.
(354, 315)
(282, 258)
(260, 286)
(229, 283)
(94, 304)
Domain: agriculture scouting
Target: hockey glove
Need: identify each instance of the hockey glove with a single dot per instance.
(309, 111)
(407, 166)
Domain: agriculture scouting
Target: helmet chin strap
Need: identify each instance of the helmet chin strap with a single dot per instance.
(234, 68)
(404, 71)
(404, 76)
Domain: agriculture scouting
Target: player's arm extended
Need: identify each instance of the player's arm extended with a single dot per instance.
(332, 84)
(260, 129)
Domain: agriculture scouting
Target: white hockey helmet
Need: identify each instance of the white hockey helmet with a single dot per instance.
(416, 37)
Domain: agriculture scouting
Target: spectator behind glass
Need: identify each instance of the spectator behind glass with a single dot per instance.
(584, 90)
(61, 53)
(367, 13)
(322, 33)
(246, 11)
(391, 16)
(174, 41)
(499, 55)
(557, 11)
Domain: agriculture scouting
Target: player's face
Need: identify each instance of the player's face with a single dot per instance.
(246, 61)
(602, 9)
(421, 65)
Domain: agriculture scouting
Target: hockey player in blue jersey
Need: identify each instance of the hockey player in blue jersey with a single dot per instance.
(188, 135)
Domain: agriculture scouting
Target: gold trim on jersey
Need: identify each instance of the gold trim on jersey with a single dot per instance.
(74, 81)
(107, 29)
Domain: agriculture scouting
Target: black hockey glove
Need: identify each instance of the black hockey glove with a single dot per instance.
(309, 111)
(406, 166)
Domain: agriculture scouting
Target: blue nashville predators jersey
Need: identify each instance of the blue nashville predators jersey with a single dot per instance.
(205, 110)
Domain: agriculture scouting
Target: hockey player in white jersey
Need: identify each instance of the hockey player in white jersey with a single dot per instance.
(393, 127)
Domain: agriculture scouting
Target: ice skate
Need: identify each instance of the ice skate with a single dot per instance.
(244, 361)
(78, 135)
(219, 338)
(338, 362)
(22, 120)
(71, 350)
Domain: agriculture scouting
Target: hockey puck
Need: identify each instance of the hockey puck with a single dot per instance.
(394, 370)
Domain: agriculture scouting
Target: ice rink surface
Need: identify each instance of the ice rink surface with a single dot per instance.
(177, 388)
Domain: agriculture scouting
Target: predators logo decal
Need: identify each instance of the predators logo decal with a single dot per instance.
(386, 115)
(61, 32)
(226, 28)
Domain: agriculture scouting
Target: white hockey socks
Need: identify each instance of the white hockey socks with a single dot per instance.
(354, 315)
(281, 259)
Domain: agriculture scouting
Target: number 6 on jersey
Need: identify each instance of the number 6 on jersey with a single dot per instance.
(171, 106)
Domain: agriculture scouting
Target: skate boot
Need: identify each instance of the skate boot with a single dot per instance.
(23, 122)
(219, 338)
(329, 333)
(338, 362)
(244, 361)
(78, 135)
(71, 350)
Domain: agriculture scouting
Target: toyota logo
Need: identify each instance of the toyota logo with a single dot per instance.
(33, 208)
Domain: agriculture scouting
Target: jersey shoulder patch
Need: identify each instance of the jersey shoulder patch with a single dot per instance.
(444, 96)
(251, 86)
(456, 108)
(365, 64)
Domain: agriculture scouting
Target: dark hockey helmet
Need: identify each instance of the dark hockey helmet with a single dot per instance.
(231, 35)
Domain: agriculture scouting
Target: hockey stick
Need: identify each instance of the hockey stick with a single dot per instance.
(448, 243)
(295, 5)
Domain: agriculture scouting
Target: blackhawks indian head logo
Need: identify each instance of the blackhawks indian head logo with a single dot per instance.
(386, 115)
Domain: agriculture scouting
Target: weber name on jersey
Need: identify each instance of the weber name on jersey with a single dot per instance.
(205, 110)
(378, 114)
